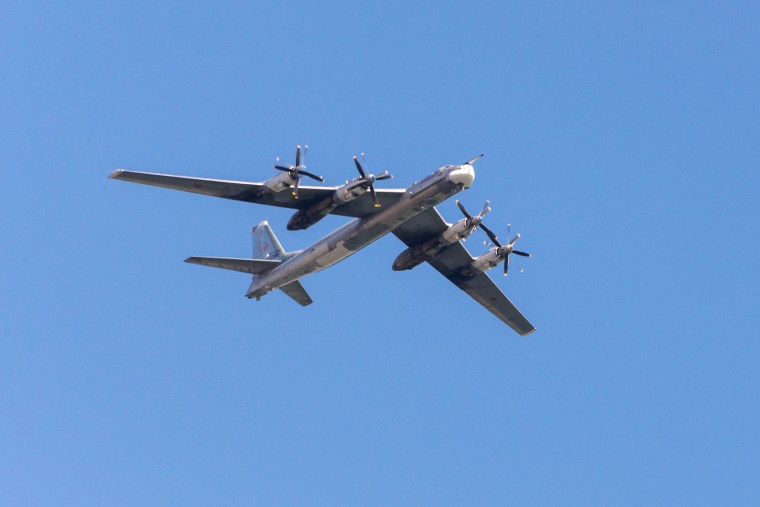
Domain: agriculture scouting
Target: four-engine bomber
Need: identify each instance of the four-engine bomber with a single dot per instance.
(409, 214)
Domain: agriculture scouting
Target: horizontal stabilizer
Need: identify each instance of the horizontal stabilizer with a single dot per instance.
(296, 291)
(252, 266)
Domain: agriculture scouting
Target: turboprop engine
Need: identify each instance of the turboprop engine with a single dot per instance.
(290, 176)
(307, 217)
(417, 254)
(494, 256)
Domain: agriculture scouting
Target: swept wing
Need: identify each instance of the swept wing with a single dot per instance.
(360, 207)
(450, 261)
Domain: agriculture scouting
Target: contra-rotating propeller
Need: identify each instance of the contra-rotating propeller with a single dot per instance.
(504, 251)
(298, 170)
(367, 181)
(474, 221)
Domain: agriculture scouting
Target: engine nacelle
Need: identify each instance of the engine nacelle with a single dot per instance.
(483, 263)
(456, 232)
(417, 254)
(277, 184)
(307, 217)
(348, 192)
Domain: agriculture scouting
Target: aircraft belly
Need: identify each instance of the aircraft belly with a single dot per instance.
(331, 256)
(354, 236)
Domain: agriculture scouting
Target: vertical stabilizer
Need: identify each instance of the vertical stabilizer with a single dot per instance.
(267, 249)
(265, 243)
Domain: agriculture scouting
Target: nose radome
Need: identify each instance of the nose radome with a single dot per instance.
(464, 174)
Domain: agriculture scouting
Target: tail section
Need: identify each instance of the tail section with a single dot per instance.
(265, 243)
(267, 247)
(267, 255)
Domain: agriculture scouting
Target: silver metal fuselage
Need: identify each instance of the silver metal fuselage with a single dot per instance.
(360, 232)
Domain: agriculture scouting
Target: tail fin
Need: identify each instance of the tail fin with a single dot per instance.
(265, 243)
(266, 248)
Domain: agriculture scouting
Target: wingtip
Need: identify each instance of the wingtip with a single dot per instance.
(115, 174)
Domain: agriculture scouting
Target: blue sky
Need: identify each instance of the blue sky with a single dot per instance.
(620, 140)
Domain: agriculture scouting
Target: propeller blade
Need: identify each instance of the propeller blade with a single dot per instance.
(486, 209)
(518, 252)
(310, 175)
(359, 167)
(374, 195)
(385, 175)
(294, 192)
(283, 168)
(514, 240)
(491, 235)
(298, 155)
(464, 211)
(506, 264)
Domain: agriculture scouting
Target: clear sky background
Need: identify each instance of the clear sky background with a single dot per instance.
(621, 140)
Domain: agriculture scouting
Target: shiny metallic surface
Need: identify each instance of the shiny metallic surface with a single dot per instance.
(362, 231)
(410, 214)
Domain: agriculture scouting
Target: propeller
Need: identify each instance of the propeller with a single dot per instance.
(504, 251)
(297, 171)
(367, 180)
(474, 221)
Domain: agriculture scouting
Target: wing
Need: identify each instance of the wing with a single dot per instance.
(450, 261)
(360, 207)
(483, 290)
(421, 228)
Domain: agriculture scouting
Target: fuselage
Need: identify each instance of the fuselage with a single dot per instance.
(360, 232)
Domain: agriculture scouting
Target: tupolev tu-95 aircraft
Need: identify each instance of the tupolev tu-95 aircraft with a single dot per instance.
(410, 214)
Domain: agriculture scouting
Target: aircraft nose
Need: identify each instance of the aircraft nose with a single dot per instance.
(464, 174)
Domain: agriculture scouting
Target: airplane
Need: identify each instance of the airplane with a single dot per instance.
(408, 213)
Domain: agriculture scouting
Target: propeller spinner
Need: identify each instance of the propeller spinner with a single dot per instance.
(297, 171)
